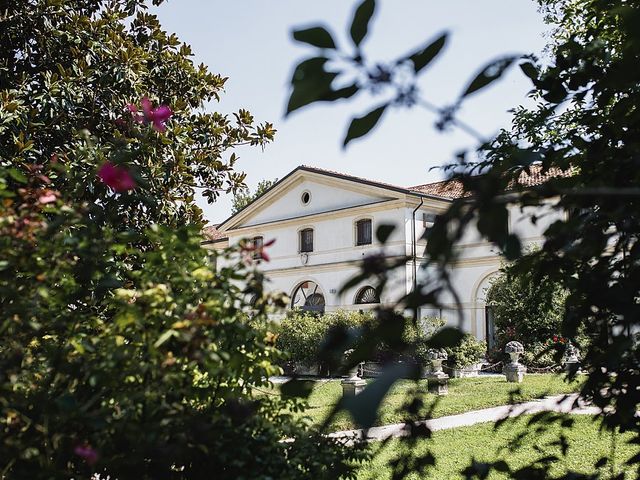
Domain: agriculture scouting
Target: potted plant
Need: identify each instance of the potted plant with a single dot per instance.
(465, 359)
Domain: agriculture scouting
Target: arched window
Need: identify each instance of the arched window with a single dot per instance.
(367, 295)
(306, 240)
(363, 232)
(308, 296)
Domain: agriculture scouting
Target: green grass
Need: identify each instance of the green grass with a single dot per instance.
(465, 394)
(454, 450)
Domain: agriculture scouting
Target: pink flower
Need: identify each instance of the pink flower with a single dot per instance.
(118, 178)
(157, 117)
(87, 453)
(48, 196)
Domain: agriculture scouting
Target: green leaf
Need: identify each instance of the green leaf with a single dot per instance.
(360, 23)
(165, 336)
(344, 92)
(296, 388)
(424, 56)
(311, 82)
(362, 125)
(384, 231)
(530, 70)
(17, 175)
(364, 406)
(446, 337)
(316, 36)
(489, 74)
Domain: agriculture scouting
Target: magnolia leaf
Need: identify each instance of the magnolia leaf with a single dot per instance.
(316, 36)
(360, 23)
(489, 74)
(166, 336)
(424, 56)
(362, 125)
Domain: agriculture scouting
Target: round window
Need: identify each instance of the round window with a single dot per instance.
(306, 197)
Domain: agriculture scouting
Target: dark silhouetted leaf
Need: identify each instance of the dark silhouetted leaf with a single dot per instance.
(316, 36)
(489, 74)
(384, 231)
(345, 92)
(311, 82)
(424, 56)
(363, 125)
(445, 337)
(361, 18)
(364, 406)
(530, 70)
(296, 388)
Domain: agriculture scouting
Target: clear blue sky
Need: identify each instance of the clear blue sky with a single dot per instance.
(250, 42)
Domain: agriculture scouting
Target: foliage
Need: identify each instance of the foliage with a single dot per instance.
(582, 138)
(530, 311)
(244, 197)
(302, 335)
(123, 351)
(469, 352)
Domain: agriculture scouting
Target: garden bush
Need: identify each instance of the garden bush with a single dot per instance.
(469, 352)
(302, 335)
(529, 310)
(124, 351)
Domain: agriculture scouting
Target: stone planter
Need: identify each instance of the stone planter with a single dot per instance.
(465, 372)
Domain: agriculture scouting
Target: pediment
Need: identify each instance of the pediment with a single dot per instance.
(286, 200)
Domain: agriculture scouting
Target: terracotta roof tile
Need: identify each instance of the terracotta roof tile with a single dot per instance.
(454, 189)
(212, 233)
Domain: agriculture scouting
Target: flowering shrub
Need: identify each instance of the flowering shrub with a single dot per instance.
(124, 351)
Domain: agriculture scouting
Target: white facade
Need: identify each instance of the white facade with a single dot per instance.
(331, 204)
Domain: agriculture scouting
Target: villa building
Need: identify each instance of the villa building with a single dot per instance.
(324, 225)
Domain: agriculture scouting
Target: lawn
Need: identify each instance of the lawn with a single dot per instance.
(454, 449)
(464, 394)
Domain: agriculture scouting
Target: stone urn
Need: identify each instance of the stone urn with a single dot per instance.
(353, 384)
(437, 380)
(571, 359)
(514, 370)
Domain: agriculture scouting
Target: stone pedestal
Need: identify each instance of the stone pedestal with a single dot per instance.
(353, 384)
(438, 383)
(352, 387)
(572, 366)
(514, 372)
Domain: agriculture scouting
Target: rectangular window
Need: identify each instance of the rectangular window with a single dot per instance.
(258, 242)
(363, 232)
(306, 240)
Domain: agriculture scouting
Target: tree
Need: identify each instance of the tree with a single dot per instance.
(123, 351)
(244, 197)
(585, 125)
(529, 311)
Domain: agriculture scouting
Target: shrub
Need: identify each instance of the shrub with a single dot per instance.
(302, 334)
(124, 351)
(470, 351)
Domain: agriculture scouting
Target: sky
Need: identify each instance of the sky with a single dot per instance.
(250, 42)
